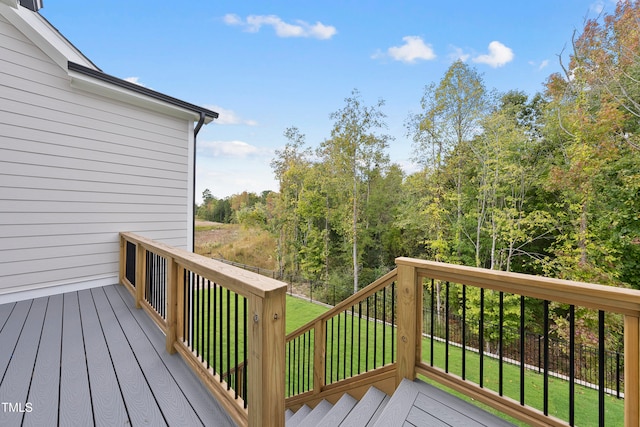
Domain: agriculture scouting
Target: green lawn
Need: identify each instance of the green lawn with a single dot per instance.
(343, 355)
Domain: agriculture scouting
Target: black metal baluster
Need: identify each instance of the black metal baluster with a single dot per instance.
(196, 310)
(213, 334)
(393, 319)
(546, 358)
(366, 356)
(184, 305)
(326, 342)
(221, 328)
(191, 310)
(446, 328)
(310, 357)
(601, 367)
(289, 345)
(201, 292)
(304, 358)
(359, 335)
(384, 323)
(338, 352)
(501, 344)
(208, 323)
(481, 337)
(331, 362)
(375, 327)
(244, 351)
(433, 314)
(464, 328)
(522, 350)
(352, 338)
(572, 373)
(236, 324)
(228, 367)
(296, 367)
(344, 350)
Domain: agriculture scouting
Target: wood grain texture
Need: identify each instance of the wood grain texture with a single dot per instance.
(631, 371)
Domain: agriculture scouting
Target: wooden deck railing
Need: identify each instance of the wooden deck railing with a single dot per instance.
(421, 293)
(221, 319)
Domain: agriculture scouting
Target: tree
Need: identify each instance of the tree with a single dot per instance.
(290, 166)
(353, 150)
(450, 117)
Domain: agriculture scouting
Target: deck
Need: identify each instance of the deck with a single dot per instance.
(90, 358)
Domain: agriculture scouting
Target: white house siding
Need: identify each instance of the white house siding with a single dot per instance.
(76, 169)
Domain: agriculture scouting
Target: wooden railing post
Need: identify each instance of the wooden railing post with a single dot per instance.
(172, 304)
(123, 260)
(266, 364)
(319, 352)
(409, 322)
(631, 371)
(141, 267)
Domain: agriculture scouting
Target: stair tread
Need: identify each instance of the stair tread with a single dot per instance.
(363, 412)
(300, 415)
(339, 411)
(288, 414)
(317, 414)
(422, 404)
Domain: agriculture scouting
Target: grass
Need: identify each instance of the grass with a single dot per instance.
(299, 312)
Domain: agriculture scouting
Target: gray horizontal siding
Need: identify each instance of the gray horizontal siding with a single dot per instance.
(76, 169)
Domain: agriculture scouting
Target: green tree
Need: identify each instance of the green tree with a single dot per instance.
(353, 151)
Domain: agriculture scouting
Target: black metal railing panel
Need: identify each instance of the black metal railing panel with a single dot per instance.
(529, 350)
(156, 283)
(362, 337)
(130, 263)
(215, 329)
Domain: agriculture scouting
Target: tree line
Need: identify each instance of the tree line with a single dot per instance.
(545, 184)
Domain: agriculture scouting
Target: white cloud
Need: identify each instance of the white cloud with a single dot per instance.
(230, 117)
(542, 65)
(300, 28)
(134, 80)
(237, 149)
(458, 54)
(499, 55)
(413, 49)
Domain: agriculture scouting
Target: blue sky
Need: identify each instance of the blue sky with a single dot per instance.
(266, 66)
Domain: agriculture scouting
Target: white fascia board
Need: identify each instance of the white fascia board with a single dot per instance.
(42, 34)
(98, 87)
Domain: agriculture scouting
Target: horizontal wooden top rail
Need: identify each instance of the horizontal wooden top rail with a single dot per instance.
(237, 280)
(598, 297)
(364, 293)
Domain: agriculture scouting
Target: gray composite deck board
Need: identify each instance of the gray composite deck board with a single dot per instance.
(14, 388)
(196, 394)
(417, 403)
(141, 404)
(175, 408)
(339, 411)
(45, 380)
(75, 395)
(11, 332)
(363, 412)
(90, 358)
(108, 405)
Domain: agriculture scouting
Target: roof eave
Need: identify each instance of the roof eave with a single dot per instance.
(99, 82)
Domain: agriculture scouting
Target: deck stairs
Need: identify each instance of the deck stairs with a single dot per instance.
(413, 403)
